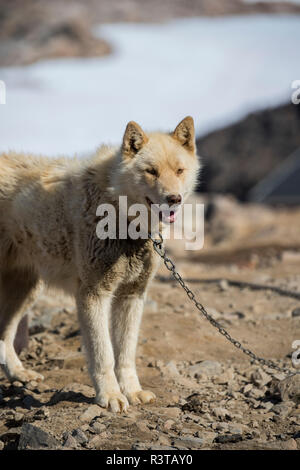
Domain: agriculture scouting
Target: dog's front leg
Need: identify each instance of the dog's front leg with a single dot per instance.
(93, 312)
(126, 315)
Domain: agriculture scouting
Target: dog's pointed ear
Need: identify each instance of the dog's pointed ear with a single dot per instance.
(134, 139)
(185, 134)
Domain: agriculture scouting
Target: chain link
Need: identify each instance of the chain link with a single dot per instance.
(160, 250)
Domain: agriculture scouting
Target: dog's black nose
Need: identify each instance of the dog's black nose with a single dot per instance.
(174, 199)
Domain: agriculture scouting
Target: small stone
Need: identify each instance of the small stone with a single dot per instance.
(32, 437)
(174, 399)
(236, 428)
(131, 413)
(195, 404)
(79, 435)
(142, 426)
(18, 418)
(208, 368)
(234, 316)
(18, 384)
(90, 413)
(289, 388)
(225, 377)
(228, 438)
(11, 435)
(256, 393)
(247, 389)
(289, 444)
(97, 427)
(42, 387)
(214, 313)
(171, 412)
(171, 369)
(223, 427)
(279, 376)
(141, 445)
(32, 385)
(208, 437)
(221, 413)
(159, 448)
(163, 440)
(152, 426)
(168, 424)
(85, 427)
(70, 441)
(96, 442)
(267, 405)
(201, 378)
(283, 409)
(223, 284)
(104, 413)
(260, 378)
(260, 444)
(42, 413)
(189, 442)
(233, 394)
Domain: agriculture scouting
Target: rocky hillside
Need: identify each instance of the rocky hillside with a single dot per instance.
(239, 156)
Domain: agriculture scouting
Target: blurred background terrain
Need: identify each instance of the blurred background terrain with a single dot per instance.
(37, 29)
(238, 57)
(76, 72)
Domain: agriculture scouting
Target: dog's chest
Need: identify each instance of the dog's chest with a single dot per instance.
(136, 262)
(139, 262)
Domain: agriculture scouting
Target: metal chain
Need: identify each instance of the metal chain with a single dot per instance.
(158, 247)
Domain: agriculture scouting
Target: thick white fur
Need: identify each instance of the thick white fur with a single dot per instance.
(48, 235)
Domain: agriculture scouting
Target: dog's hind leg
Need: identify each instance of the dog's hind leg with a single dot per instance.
(18, 290)
(126, 317)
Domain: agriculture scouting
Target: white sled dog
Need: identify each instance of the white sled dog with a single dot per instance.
(48, 236)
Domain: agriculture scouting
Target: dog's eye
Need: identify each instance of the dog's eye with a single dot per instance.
(152, 171)
(180, 171)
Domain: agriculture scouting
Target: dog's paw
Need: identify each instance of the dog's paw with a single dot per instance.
(115, 401)
(25, 375)
(141, 396)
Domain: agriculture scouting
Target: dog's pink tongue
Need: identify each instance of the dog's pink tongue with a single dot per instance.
(172, 217)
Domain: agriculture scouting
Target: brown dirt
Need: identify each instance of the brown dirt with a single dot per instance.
(236, 407)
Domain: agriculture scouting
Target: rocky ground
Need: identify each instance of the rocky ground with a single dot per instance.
(209, 396)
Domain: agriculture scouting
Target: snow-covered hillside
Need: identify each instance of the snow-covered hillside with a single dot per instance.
(215, 69)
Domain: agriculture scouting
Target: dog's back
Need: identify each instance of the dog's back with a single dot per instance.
(30, 198)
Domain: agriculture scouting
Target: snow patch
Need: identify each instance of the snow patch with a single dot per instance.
(215, 69)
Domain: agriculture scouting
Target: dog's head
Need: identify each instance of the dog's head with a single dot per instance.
(159, 169)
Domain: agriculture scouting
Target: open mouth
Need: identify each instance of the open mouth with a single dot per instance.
(166, 216)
